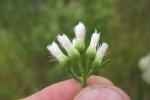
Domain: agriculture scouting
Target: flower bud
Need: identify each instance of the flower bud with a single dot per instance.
(102, 50)
(57, 53)
(91, 50)
(68, 46)
(65, 42)
(80, 31)
(100, 54)
(80, 37)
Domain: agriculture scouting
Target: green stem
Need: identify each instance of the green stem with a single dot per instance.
(90, 71)
(84, 81)
(81, 69)
(73, 74)
(83, 74)
(96, 68)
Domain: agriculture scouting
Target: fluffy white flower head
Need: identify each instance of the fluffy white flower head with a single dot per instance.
(68, 46)
(80, 31)
(65, 42)
(88, 59)
(144, 63)
(55, 50)
(94, 39)
(102, 50)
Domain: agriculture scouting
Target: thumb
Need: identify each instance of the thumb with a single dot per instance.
(102, 92)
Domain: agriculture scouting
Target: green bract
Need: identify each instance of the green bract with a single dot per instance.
(80, 46)
(96, 62)
(90, 53)
(74, 54)
(64, 61)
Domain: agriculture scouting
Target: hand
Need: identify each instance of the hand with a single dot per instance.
(99, 88)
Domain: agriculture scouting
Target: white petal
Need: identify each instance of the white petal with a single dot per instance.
(80, 31)
(55, 50)
(65, 42)
(74, 42)
(94, 39)
(102, 50)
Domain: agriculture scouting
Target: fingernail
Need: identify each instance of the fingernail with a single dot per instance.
(98, 93)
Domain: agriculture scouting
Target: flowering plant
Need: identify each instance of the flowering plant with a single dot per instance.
(87, 60)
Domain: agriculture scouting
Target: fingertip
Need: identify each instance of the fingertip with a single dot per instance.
(102, 92)
(101, 88)
(98, 80)
(65, 90)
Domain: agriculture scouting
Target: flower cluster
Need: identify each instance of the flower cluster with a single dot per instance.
(78, 54)
(144, 65)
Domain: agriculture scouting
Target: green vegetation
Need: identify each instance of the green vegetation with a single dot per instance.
(28, 26)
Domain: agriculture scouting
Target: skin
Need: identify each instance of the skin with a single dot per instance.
(98, 88)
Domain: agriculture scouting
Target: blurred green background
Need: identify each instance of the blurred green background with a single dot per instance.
(28, 26)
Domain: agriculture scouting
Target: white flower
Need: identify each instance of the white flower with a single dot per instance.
(80, 31)
(91, 50)
(80, 37)
(65, 42)
(55, 50)
(57, 53)
(146, 76)
(74, 41)
(102, 50)
(68, 46)
(144, 63)
(94, 39)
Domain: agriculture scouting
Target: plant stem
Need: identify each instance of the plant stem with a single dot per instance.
(84, 81)
(85, 75)
(82, 72)
(75, 75)
(81, 69)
